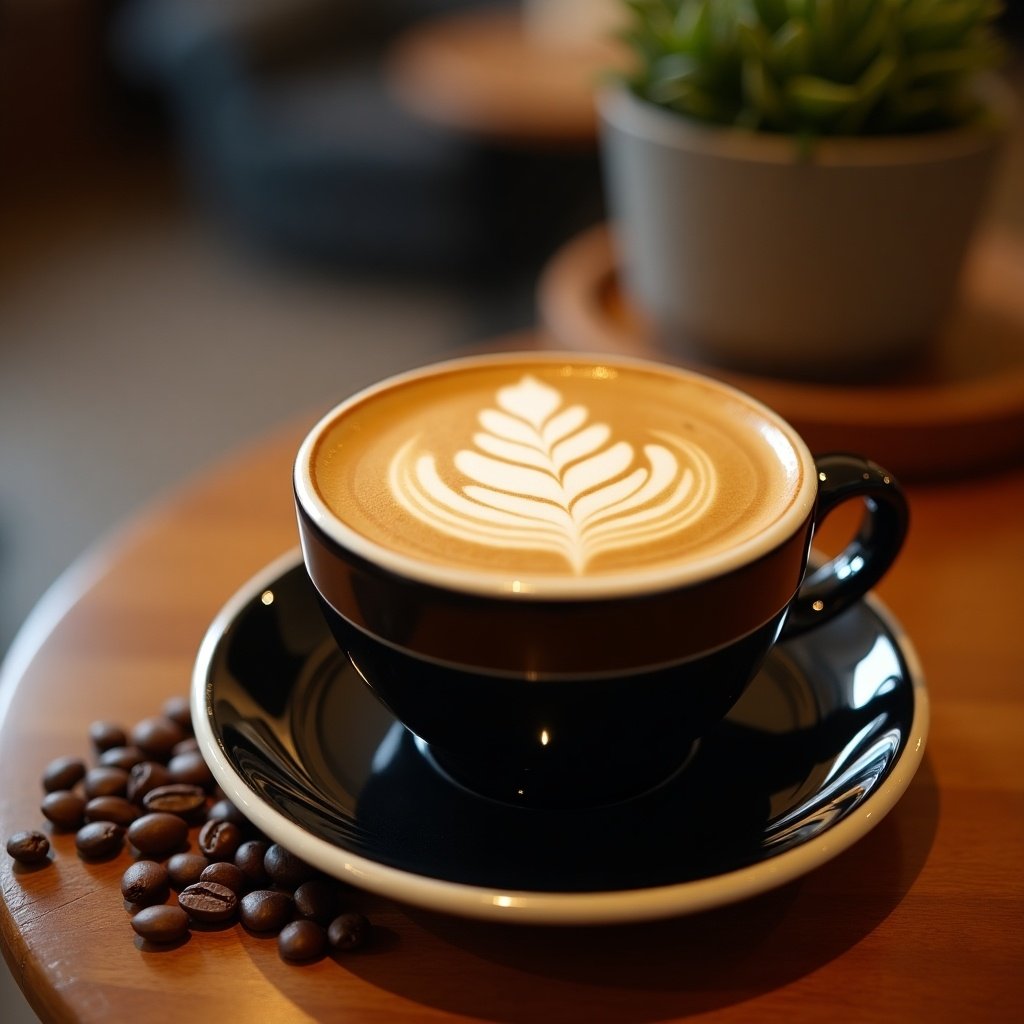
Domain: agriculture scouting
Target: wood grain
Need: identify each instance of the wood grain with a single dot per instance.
(920, 921)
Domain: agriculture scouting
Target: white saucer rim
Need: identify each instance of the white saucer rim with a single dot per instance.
(553, 908)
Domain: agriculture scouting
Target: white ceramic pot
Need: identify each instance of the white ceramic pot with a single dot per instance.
(744, 252)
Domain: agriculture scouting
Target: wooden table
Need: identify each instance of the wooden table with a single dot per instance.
(920, 921)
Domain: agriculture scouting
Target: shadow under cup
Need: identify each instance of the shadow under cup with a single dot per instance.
(575, 702)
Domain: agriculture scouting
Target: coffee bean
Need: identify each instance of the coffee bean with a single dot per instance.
(106, 781)
(144, 778)
(63, 773)
(111, 808)
(318, 900)
(190, 767)
(285, 869)
(29, 847)
(105, 735)
(158, 834)
(176, 798)
(266, 910)
(65, 809)
(145, 883)
(250, 857)
(208, 902)
(161, 924)
(99, 839)
(225, 810)
(178, 710)
(189, 745)
(302, 940)
(219, 840)
(185, 869)
(227, 874)
(348, 932)
(157, 736)
(122, 757)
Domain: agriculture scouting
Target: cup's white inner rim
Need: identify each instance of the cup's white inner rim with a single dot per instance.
(498, 583)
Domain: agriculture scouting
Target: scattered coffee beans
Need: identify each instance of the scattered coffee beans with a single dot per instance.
(302, 940)
(186, 869)
(176, 798)
(158, 834)
(29, 847)
(145, 883)
(266, 910)
(284, 868)
(250, 857)
(122, 757)
(111, 808)
(161, 924)
(63, 773)
(189, 745)
(157, 736)
(227, 874)
(220, 840)
(225, 810)
(65, 809)
(177, 709)
(150, 784)
(190, 767)
(318, 900)
(99, 840)
(348, 932)
(144, 778)
(208, 902)
(105, 735)
(106, 780)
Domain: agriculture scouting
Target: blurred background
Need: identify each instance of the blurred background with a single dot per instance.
(215, 216)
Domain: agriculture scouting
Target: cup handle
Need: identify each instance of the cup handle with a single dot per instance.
(831, 588)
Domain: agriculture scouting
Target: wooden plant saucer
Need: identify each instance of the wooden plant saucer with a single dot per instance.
(960, 410)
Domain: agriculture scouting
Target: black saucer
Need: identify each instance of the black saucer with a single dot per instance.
(803, 767)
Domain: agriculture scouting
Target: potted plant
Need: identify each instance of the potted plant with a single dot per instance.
(795, 183)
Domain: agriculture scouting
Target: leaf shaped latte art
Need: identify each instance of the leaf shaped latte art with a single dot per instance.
(541, 477)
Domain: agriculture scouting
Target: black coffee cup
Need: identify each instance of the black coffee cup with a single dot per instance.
(573, 688)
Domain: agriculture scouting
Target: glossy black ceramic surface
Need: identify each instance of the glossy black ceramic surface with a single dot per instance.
(295, 730)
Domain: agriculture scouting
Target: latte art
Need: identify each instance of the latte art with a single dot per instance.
(542, 476)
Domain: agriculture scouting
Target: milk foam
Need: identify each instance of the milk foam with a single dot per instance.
(556, 468)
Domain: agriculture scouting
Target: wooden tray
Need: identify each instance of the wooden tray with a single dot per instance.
(480, 72)
(959, 411)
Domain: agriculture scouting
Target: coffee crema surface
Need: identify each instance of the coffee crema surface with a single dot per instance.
(535, 473)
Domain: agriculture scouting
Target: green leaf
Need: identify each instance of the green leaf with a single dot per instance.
(850, 66)
(772, 13)
(791, 48)
(818, 99)
(870, 88)
(944, 63)
(754, 41)
(825, 26)
(675, 67)
(762, 93)
(874, 34)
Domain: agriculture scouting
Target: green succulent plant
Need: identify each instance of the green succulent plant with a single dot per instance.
(815, 67)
